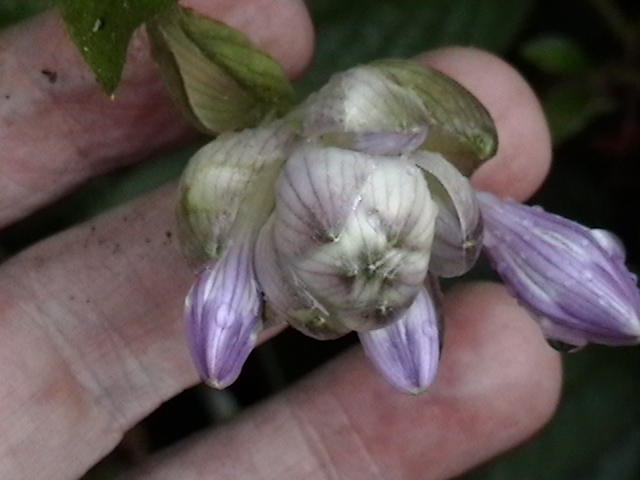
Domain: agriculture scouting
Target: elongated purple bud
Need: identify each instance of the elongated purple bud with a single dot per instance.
(407, 352)
(223, 311)
(572, 278)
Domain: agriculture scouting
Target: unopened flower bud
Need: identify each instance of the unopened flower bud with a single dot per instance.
(355, 230)
(229, 185)
(407, 351)
(572, 278)
(288, 299)
(223, 315)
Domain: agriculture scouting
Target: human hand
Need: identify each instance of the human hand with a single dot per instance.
(91, 338)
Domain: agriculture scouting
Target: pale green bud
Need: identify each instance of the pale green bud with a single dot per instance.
(228, 188)
(288, 299)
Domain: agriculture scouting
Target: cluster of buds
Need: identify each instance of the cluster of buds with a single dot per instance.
(343, 214)
(341, 217)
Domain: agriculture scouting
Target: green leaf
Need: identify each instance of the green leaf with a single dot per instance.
(556, 55)
(216, 75)
(102, 29)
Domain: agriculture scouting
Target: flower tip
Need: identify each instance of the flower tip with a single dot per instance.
(219, 369)
(563, 347)
(219, 384)
(412, 386)
(411, 380)
(215, 384)
(415, 391)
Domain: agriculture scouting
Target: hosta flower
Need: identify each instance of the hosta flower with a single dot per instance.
(330, 220)
(342, 215)
(572, 278)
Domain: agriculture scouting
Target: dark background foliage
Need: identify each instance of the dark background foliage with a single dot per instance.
(583, 59)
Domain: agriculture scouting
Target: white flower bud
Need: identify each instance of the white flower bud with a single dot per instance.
(356, 232)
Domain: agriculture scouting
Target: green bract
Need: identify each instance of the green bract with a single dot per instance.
(221, 81)
(460, 128)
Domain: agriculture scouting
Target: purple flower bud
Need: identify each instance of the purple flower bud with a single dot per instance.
(223, 311)
(407, 352)
(572, 278)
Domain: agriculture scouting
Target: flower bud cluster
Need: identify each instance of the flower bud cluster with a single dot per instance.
(342, 215)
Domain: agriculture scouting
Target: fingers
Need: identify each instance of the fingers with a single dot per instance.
(498, 383)
(90, 325)
(58, 131)
(91, 338)
(524, 152)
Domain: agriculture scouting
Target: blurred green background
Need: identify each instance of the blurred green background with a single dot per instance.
(583, 60)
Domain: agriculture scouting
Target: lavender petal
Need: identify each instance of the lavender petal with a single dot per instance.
(610, 243)
(390, 143)
(222, 311)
